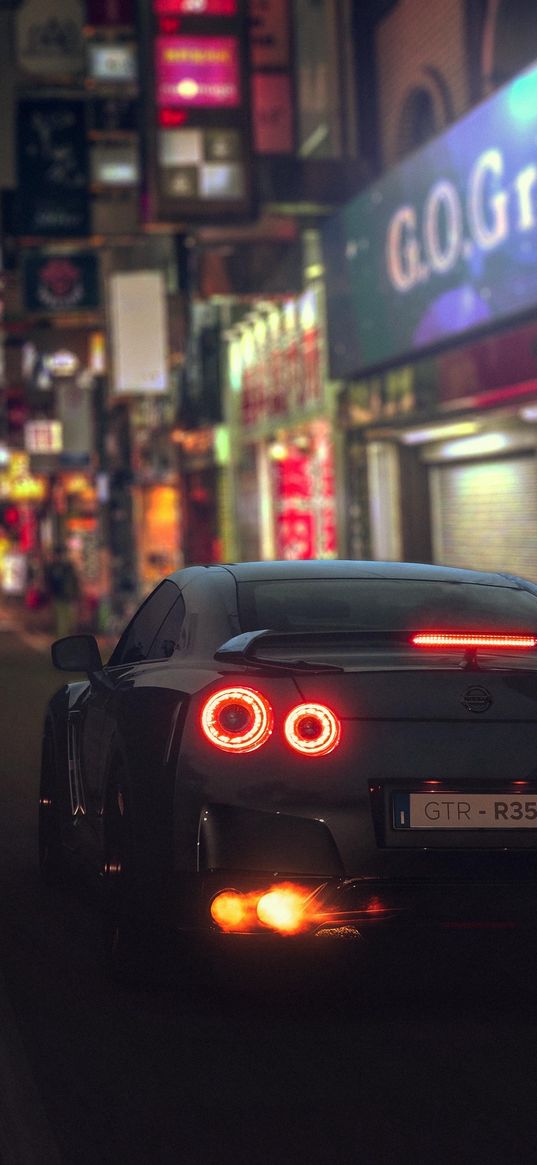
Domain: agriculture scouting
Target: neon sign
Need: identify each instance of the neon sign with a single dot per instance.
(492, 212)
(200, 132)
(196, 7)
(194, 71)
(443, 244)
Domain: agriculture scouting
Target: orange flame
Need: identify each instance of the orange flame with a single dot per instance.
(286, 908)
(233, 911)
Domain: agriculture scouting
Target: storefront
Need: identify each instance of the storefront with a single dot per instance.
(302, 489)
(432, 297)
(60, 440)
(481, 513)
(284, 464)
(76, 503)
(436, 475)
(23, 496)
(157, 518)
(199, 472)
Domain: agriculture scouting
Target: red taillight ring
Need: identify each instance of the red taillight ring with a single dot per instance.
(312, 729)
(250, 710)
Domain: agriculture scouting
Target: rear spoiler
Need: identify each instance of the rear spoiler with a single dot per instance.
(243, 648)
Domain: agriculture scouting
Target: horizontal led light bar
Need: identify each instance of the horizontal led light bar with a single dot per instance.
(464, 639)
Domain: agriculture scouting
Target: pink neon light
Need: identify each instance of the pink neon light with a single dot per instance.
(463, 639)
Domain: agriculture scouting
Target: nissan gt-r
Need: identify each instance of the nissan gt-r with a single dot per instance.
(299, 752)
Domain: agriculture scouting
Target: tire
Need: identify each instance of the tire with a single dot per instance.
(51, 857)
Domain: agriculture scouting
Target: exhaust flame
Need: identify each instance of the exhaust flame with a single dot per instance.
(286, 908)
(233, 911)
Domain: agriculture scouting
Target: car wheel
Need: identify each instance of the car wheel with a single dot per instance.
(50, 848)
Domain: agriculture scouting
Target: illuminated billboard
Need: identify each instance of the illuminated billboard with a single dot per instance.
(199, 149)
(115, 164)
(43, 436)
(196, 71)
(195, 7)
(204, 164)
(61, 282)
(444, 244)
(111, 63)
(139, 332)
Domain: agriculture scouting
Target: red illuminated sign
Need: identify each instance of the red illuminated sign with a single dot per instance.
(305, 495)
(294, 535)
(170, 118)
(197, 71)
(195, 7)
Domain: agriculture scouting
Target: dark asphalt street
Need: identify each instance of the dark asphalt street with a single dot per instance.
(378, 1075)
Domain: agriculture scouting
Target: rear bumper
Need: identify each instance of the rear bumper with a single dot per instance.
(351, 908)
(453, 904)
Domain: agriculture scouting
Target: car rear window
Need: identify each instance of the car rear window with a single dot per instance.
(384, 605)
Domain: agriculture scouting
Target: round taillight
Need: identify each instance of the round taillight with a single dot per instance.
(312, 729)
(237, 719)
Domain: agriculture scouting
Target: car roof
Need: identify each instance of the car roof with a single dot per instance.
(342, 568)
(211, 592)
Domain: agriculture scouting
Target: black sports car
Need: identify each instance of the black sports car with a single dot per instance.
(301, 750)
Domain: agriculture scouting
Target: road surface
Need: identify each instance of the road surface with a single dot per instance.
(442, 1072)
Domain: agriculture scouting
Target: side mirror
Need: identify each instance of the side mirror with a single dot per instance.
(77, 653)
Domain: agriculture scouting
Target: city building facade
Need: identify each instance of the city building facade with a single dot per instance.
(432, 297)
(267, 285)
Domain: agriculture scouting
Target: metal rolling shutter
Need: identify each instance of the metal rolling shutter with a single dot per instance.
(484, 514)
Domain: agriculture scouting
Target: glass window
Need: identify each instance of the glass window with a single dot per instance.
(384, 605)
(167, 638)
(143, 631)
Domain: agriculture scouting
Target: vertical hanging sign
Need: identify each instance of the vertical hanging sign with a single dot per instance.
(200, 132)
(53, 169)
(138, 328)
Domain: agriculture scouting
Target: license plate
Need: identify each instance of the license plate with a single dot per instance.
(464, 811)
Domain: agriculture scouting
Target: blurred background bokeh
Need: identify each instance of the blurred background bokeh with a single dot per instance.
(268, 288)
